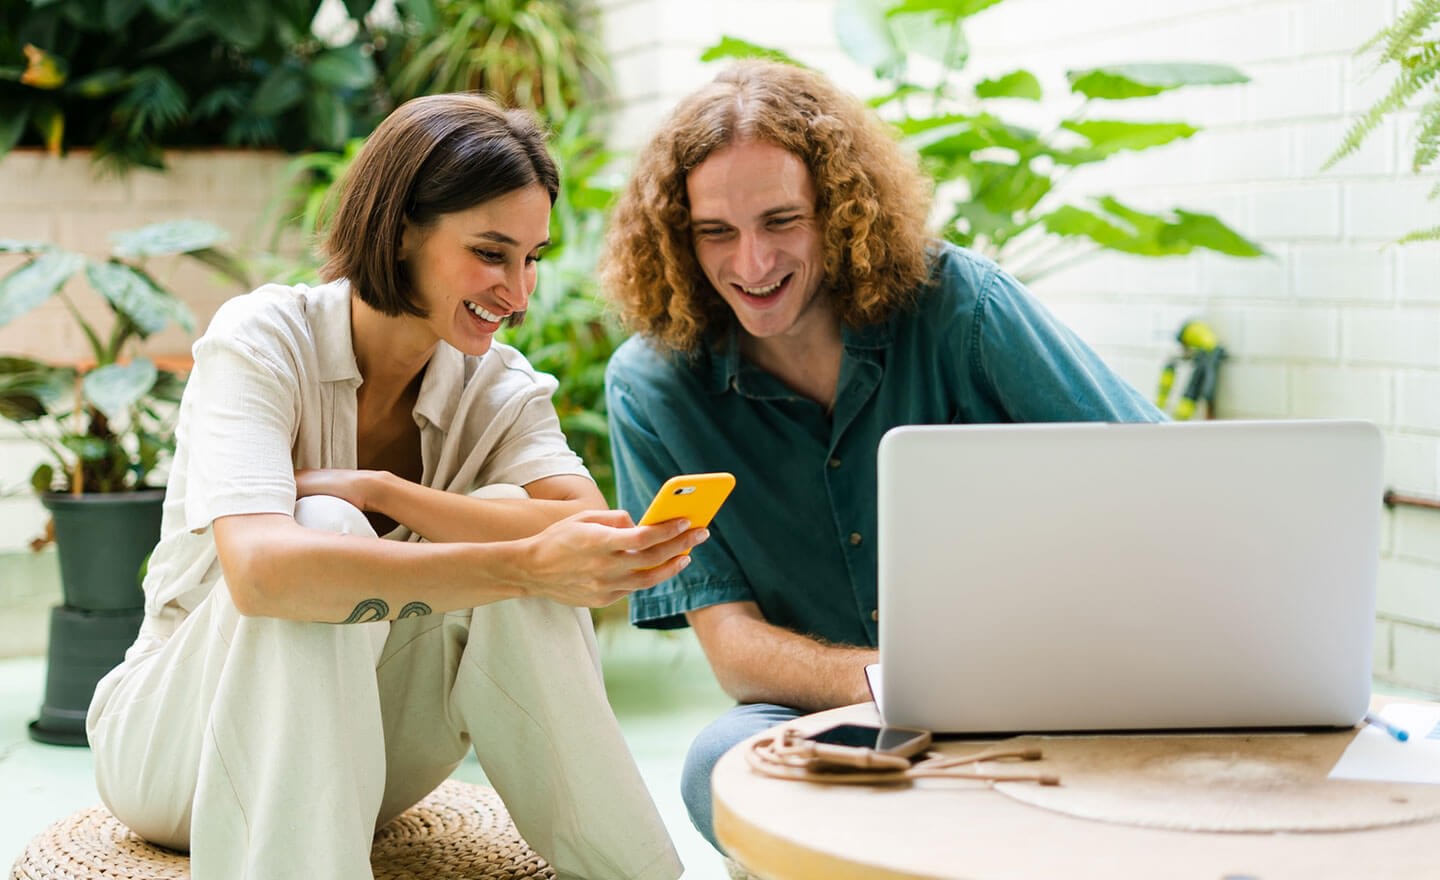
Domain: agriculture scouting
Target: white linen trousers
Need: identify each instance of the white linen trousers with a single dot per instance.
(274, 749)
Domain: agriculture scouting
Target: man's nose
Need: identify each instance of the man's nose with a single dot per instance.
(755, 257)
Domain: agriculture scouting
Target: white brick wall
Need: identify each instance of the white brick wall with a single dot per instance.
(1338, 322)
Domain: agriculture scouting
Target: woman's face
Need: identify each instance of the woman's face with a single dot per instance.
(474, 268)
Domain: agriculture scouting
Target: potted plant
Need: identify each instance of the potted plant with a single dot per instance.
(108, 425)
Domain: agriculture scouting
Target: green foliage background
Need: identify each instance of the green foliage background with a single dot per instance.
(1412, 44)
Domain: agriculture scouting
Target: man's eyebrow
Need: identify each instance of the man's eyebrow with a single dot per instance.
(794, 208)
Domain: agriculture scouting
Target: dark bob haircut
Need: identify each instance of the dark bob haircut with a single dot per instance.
(433, 156)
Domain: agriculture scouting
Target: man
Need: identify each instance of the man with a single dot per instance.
(771, 253)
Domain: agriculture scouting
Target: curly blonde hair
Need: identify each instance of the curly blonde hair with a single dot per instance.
(872, 203)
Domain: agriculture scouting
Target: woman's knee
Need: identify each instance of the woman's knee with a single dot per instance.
(328, 513)
(500, 490)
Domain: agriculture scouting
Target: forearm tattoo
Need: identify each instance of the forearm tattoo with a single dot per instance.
(413, 609)
(370, 610)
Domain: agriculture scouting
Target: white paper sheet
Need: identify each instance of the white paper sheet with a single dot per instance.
(1377, 756)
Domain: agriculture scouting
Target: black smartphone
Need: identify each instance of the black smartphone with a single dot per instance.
(900, 741)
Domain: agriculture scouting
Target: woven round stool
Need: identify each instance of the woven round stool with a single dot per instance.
(459, 831)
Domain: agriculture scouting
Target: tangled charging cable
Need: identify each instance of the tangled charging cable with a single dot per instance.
(789, 755)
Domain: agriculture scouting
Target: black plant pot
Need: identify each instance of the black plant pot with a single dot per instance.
(102, 541)
(84, 645)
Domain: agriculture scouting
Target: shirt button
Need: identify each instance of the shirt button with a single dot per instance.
(834, 463)
(875, 615)
(855, 539)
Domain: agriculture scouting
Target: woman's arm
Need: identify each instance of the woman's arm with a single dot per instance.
(443, 517)
(274, 567)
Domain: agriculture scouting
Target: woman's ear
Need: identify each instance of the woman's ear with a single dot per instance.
(410, 239)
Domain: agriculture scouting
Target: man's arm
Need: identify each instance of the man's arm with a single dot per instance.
(756, 661)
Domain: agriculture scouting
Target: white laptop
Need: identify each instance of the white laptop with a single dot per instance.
(1070, 577)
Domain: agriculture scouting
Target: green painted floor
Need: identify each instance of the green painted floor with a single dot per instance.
(660, 686)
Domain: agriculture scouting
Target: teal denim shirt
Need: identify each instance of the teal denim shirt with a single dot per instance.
(797, 534)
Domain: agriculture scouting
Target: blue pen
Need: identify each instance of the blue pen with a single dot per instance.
(1400, 734)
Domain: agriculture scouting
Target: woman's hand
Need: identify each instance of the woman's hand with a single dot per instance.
(354, 486)
(597, 557)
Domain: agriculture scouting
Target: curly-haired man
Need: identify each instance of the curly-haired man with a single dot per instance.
(771, 252)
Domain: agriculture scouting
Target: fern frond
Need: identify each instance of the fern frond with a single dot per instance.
(1405, 34)
(1427, 135)
(1432, 234)
(1401, 91)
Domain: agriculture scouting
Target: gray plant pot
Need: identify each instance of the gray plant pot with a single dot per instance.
(102, 542)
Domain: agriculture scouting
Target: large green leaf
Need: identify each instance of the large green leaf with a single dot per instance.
(1108, 136)
(14, 116)
(943, 10)
(345, 68)
(1121, 81)
(1151, 235)
(420, 13)
(328, 120)
(15, 246)
(281, 89)
(168, 9)
(863, 32)
(954, 135)
(1007, 189)
(114, 388)
(86, 447)
(119, 12)
(1071, 222)
(1017, 84)
(136, 296)
(102, 83)
(29, 389)
(932, 29)
(186, 31)
(223, 263)
(1207, 231)
(241, 23)
(35, 282)
(169, 237)
(734, 47)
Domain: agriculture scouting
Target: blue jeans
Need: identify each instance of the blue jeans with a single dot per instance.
(715, 740)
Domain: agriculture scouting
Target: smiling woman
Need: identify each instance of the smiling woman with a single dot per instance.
(319, 419)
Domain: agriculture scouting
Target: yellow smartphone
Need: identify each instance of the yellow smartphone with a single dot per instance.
(696, 497)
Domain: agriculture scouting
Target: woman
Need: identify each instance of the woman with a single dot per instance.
(244, 724)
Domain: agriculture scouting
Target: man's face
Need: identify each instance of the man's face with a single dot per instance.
(752, 219)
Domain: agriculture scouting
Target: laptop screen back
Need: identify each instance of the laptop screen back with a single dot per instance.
(1047, 577)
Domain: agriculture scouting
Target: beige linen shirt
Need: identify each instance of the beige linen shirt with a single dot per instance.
(274, 389)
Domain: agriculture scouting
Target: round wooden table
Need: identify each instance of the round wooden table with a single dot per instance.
(782, 829)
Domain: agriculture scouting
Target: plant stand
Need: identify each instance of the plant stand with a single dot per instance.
(103, 540)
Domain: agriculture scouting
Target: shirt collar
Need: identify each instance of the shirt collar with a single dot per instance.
(441, 387)
(335, 352)
(334, 348)
(723, 367)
